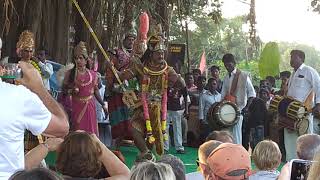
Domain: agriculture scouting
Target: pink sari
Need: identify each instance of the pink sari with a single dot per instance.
(83, 114)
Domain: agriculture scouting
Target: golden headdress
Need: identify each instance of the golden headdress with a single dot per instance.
(26, 40)
(156, 40)
(81, 49)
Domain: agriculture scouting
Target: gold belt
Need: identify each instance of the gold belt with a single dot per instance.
(83, 98)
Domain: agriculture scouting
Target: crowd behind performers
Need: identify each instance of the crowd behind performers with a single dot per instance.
(81, 155)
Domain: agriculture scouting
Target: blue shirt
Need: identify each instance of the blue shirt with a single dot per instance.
(205, 102)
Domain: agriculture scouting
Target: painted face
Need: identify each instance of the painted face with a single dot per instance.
(158, 57)
(27, 53)
(128, 42)
(80, 61)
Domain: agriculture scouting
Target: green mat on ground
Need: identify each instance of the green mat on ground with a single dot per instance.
(130, 153)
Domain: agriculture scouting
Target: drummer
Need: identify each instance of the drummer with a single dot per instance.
(304, 82)
(208, 98)
(237, 87)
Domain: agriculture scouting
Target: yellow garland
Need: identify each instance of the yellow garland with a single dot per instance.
(145, 87)
(164, 125)
(35, 65)
(155, 73)
(148, 125)
(151, 139)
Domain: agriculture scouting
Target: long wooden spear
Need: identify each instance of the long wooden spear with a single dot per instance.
(129, 98)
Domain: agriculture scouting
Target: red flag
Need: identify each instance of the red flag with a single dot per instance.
(203, 63)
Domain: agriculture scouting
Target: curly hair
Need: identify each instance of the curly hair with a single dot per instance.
(78, 156)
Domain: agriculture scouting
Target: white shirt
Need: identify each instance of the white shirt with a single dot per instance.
(301, 83)
(249, 89)
(101, 117)
(20, 109)
(194, 176)
(47, 71)
(205, 102)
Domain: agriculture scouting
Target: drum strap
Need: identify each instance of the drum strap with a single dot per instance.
(234, 83)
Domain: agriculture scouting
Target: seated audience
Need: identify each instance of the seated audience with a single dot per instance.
(267, 158)
(36, 155)
(307, 145)
(176, 164)
(81, 155)
(229, 162)
(36, 174)
(203, 153)
(152, 171)
(222, 136)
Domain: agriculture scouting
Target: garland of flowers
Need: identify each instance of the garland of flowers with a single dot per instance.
(36, 65)
(144, 94)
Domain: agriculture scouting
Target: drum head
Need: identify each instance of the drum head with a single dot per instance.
(228, 114)
(301, 112)
(302, 126)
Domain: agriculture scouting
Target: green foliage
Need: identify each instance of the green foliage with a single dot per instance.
(216, 40)
(269, 60)
(312, 55)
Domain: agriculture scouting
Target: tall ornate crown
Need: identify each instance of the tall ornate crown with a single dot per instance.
(81, 49)
(156, 40)
(26, 40)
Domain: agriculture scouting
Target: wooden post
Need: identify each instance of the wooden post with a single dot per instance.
(187, 47)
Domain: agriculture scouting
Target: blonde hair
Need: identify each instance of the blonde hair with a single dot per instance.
(314, 172)
(267, 155)
(152, 171)
(206, 148)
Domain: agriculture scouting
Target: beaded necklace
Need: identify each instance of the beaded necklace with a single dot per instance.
(83, 84)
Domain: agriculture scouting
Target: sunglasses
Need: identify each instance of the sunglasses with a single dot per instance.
(198, 162)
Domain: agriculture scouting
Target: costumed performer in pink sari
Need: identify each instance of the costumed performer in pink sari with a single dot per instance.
(82, 85)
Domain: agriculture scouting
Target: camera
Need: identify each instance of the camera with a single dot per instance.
(10, 71)
(299, 169)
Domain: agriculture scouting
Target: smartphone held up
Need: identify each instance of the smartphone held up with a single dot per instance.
(299, 169)
(10, 71)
